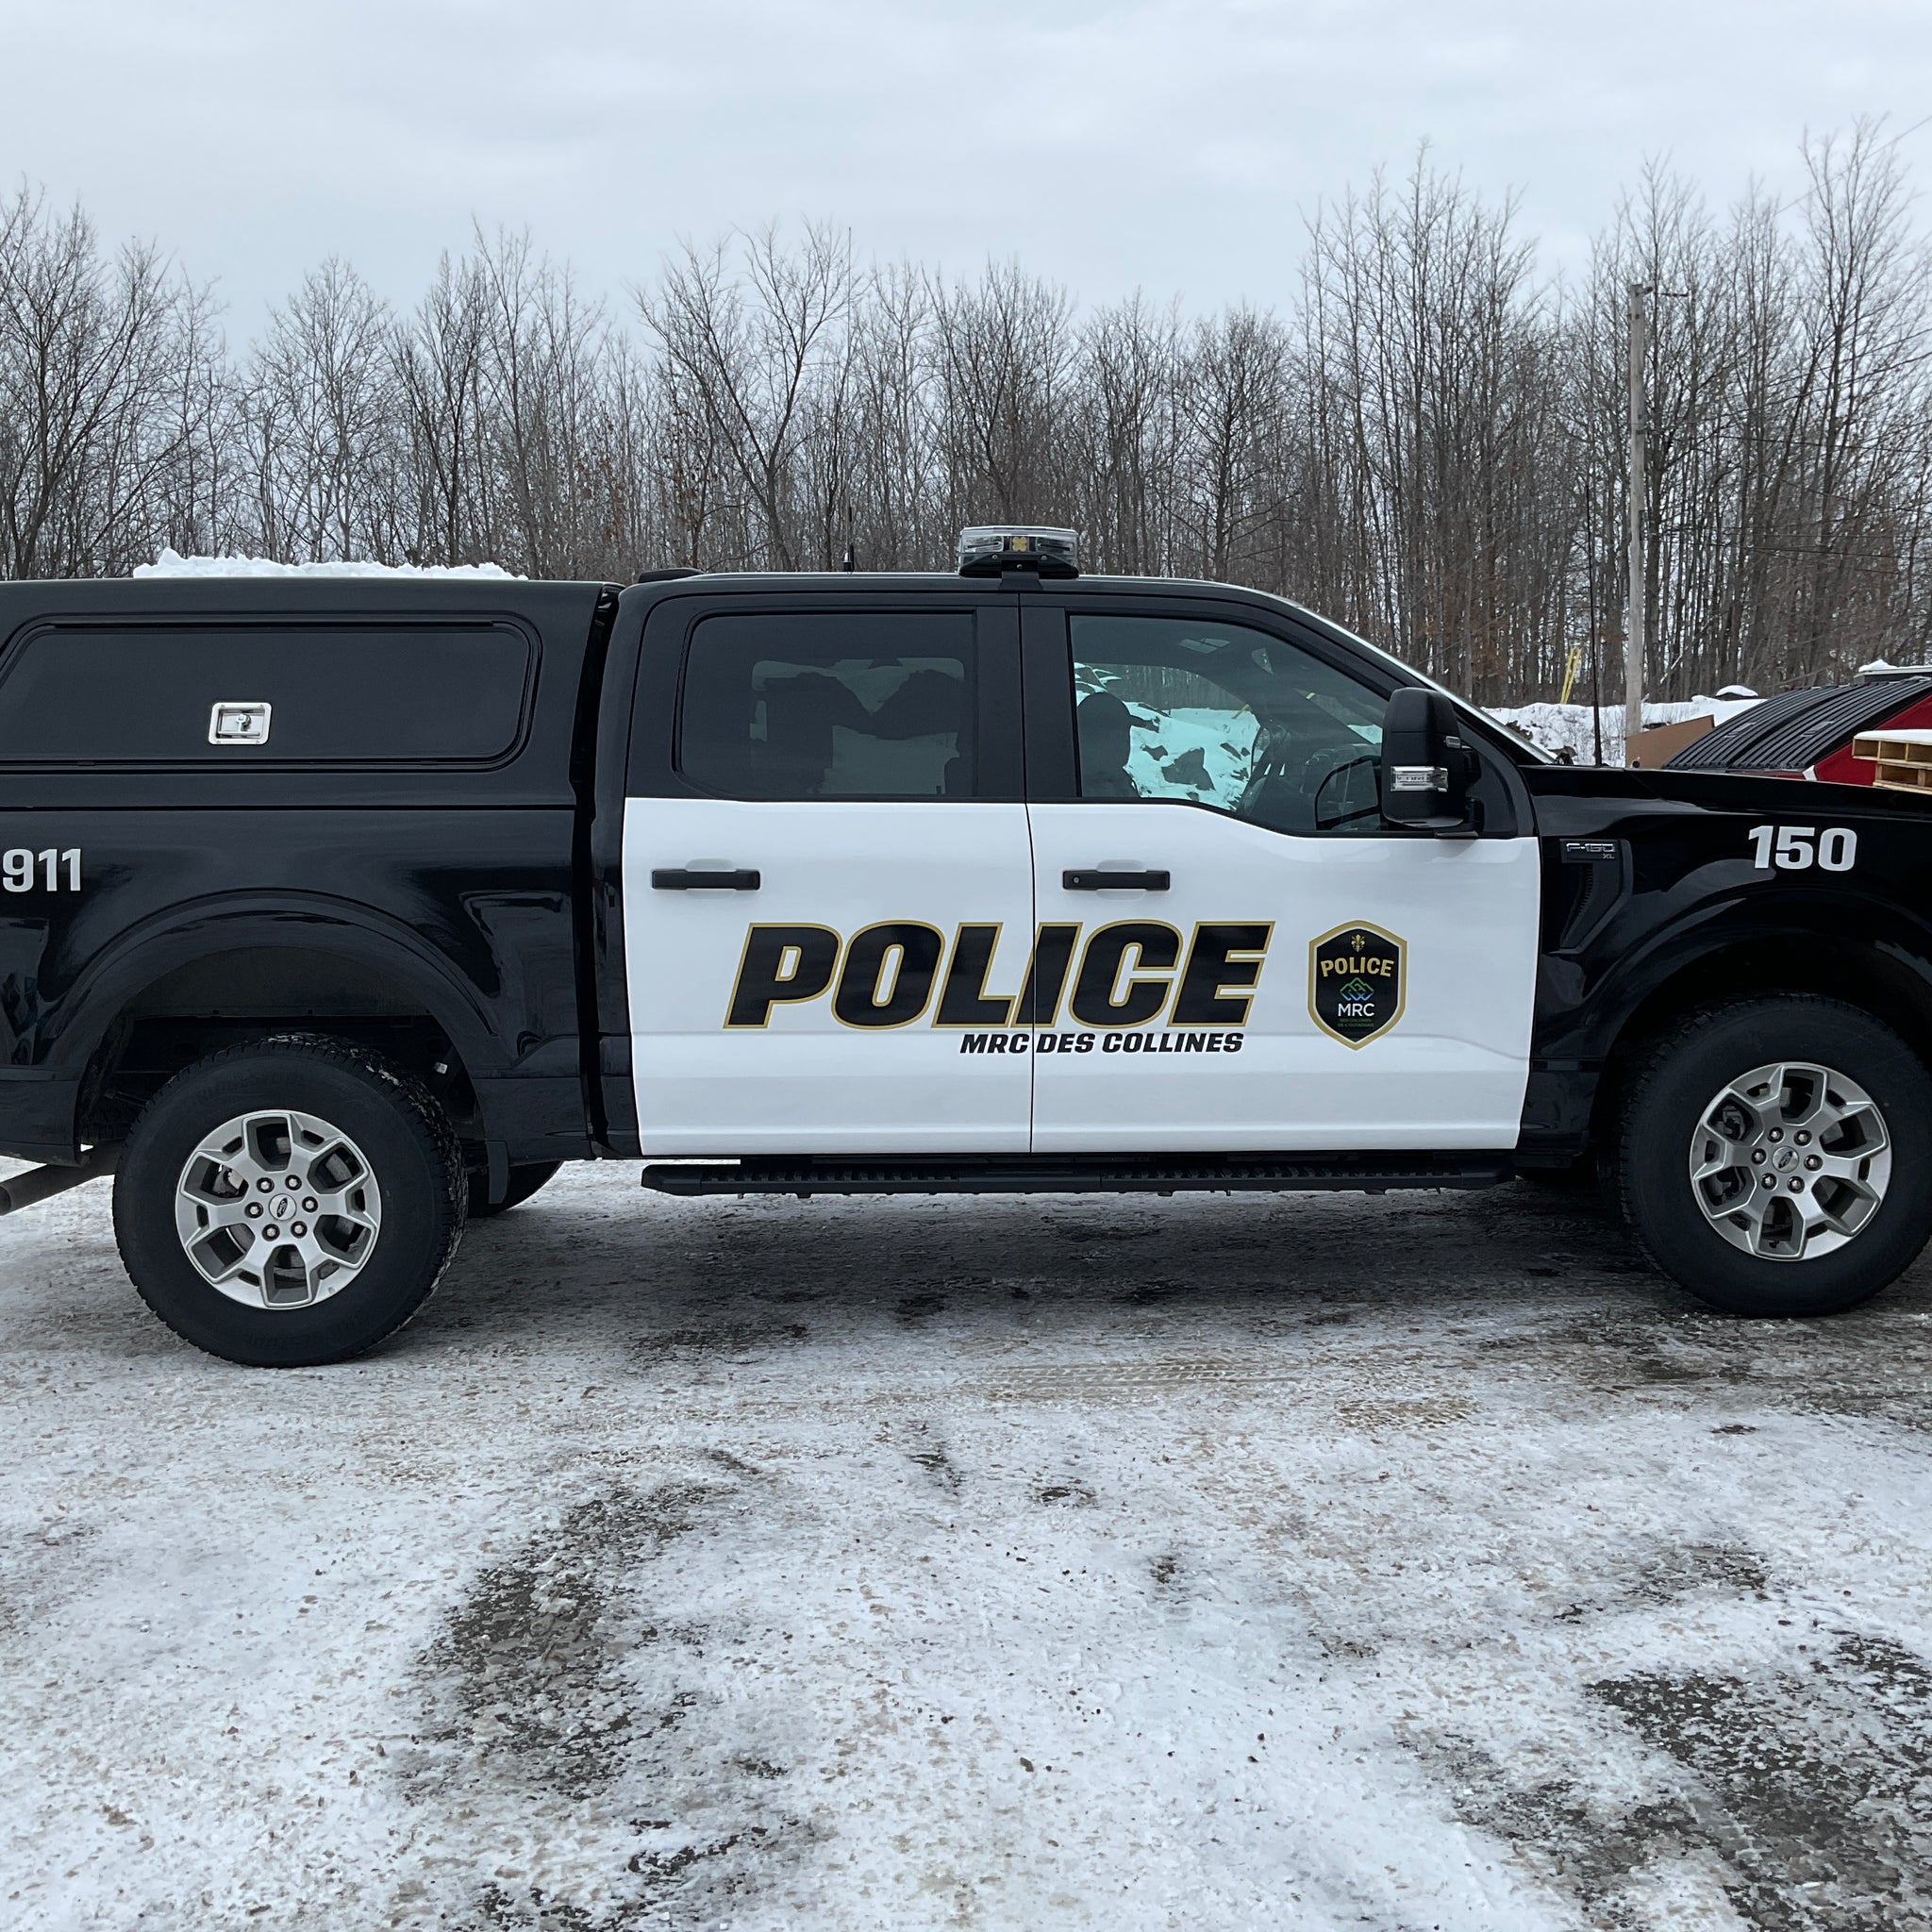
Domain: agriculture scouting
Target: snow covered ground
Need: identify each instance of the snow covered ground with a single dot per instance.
(1320, 1562)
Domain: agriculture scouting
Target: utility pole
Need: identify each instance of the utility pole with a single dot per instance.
(1634, 626)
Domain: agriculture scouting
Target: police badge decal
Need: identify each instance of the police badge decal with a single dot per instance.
(1355, 983)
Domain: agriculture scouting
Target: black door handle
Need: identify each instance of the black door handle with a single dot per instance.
(682, 879)
(1115, 881)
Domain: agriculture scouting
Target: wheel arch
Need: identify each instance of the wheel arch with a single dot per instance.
(170, 994)
(1878, 971)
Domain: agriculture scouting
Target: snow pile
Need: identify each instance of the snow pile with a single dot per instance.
(1557, 727)
(171, 563)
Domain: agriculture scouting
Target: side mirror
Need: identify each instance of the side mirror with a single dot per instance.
(1426, 768)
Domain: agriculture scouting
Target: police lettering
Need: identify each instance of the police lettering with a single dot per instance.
(1121, 982)
(1114, 987)
(781, 964)
(887, 976)
(1372, 966)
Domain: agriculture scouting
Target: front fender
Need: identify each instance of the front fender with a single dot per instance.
(1804, 937)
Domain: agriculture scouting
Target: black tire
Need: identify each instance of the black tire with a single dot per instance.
(1678, 1078)
(411, 1151)
(524, 1180)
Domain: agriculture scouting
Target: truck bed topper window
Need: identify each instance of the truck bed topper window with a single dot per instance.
(352, 693)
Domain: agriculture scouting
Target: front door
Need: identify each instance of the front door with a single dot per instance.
(832, 888)
(1275, 967)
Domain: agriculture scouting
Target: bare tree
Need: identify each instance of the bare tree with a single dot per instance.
(1008, 356)
(321, 415)
(1233, 392)
(106, 389)
(897, 484)
(763, 360)
(1124, 491)
(544, 371)
(438, 358)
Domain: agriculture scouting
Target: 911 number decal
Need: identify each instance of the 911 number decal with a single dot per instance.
(51, 871)
(1795, 848)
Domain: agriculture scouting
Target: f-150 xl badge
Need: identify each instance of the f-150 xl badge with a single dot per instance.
(1356, 982)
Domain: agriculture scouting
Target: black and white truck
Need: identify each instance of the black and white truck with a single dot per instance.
(335, 910)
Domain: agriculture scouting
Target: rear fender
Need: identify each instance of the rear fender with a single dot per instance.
(73, 1026)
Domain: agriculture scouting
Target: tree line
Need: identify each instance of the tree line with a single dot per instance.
(1427, 443)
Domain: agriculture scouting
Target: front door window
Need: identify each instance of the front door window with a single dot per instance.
(1195, 712)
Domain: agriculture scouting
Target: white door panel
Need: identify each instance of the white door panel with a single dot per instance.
(805, 1081)
(1451, 926)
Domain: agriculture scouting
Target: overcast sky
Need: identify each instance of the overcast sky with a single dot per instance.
(1172, 145)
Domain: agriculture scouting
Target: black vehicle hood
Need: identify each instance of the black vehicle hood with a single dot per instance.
(1785, 799)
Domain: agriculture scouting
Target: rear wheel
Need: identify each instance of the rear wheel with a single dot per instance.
(1776, 1156)
(289, 1202)
(524, 1180)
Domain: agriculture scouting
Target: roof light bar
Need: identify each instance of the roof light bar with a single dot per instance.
(986, 549)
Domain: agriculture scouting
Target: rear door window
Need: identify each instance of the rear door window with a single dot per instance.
(841, 706)
(335, 693)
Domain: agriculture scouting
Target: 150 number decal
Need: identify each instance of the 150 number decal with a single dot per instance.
(21, 871)
(1796, 848)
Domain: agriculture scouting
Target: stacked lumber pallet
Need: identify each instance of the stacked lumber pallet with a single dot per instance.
(1904, 758)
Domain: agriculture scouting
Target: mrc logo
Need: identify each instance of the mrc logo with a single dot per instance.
(1357, 983)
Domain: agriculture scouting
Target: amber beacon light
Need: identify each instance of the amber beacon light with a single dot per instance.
(986, 549)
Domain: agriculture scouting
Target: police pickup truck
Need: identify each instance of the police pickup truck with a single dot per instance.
(333, 911)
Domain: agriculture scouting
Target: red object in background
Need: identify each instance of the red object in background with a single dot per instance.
(1840, 768)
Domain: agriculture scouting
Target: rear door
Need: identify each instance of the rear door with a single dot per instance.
(1242, 955)
(827, 878)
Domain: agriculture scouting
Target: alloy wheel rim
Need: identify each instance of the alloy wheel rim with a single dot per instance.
(1791, 1162)
(277, 1209)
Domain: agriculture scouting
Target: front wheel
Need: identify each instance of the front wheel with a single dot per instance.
(289, 1202)
(1776, 1156)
